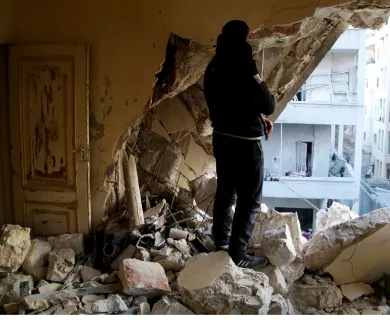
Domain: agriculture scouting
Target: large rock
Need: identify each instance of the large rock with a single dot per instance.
(61, 263)
(335, 215)
(280, 306)
(14, 246)
(112, 304)
(9, 287)
(170, 306)
(212, 284)
(322, 293)
(278, 246)
(293, 271)
(74, 241)
(273, 220)
(276, 279)
(361, 242)
(36, 260)
(143, 278)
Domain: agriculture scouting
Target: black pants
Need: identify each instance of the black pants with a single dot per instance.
(240, 173)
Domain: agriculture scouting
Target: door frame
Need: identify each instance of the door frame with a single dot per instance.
(6, 214)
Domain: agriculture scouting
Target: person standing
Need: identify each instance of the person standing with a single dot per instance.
(237, 99)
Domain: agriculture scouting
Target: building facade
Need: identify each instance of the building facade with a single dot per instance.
(377, 117)
(314, 155)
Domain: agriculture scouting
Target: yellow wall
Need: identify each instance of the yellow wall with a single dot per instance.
(127, 41)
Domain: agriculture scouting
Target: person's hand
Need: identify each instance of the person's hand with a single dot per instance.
(270, 125)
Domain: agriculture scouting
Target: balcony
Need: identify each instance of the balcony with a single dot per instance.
(312, 188)
(328, 113)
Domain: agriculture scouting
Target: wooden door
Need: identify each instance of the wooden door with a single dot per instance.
(50, 138)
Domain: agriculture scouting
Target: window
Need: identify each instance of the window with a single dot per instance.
(366, 83)
(365, 136)
(377, 82)
(375, 138)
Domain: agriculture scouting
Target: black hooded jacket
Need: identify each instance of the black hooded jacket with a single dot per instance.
(234, 97)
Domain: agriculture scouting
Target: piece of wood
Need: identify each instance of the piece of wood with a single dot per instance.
(133, 194)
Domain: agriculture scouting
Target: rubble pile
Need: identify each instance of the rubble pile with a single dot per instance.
(169, 266)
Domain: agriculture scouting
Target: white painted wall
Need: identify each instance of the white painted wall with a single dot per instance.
(318, 134)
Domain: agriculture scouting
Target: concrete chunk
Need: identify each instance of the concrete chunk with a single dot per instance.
(9, 287)
(14, 246)
(361, 241)
(170, 306)
(143, 278)
(280, 306)
(336, 214)
(212, 284)
(293, 271)
(276, 279)
(273, 220)
(91, 298)
(50, 288)
(128, 253)
(88, 273)
(278, 246)
(36, 260)
(321, 295)
(74, 241)
(61, 263)
(112, 304)
(353, 291)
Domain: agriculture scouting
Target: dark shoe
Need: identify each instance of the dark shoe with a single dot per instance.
(251, 262)
(223, 248)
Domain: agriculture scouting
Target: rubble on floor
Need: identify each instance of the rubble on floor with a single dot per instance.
(167, 266)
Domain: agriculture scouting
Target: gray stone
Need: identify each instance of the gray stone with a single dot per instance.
(336, 214)
(91, 298)
(142, 255)
(61, 263)
(276, 279)
(128, 253)
(143, 278)
(9, 287)
(173, 263)
(212, 284)
(170, 275)
(139, 300)
(278, 246)
(36, 260)
(320, 295)
(178, 234)
(328, 244)
(42, 283)
(164, 252)
(156, 210)
(50, 288)
(14, 246)
(170, 306)
(273, 220)
(280, 306)
(144, 309)
(88, 273)
(74, 241)
(293, 271)
(66, 311)
(112, 304)
(182, 246)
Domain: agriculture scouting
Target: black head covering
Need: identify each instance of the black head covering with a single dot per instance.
(232, 47)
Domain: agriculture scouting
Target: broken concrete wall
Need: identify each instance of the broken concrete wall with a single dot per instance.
(127, 42)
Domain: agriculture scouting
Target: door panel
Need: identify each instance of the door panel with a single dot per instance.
(49, 124)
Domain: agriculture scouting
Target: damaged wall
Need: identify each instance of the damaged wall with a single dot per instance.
(128, 42)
